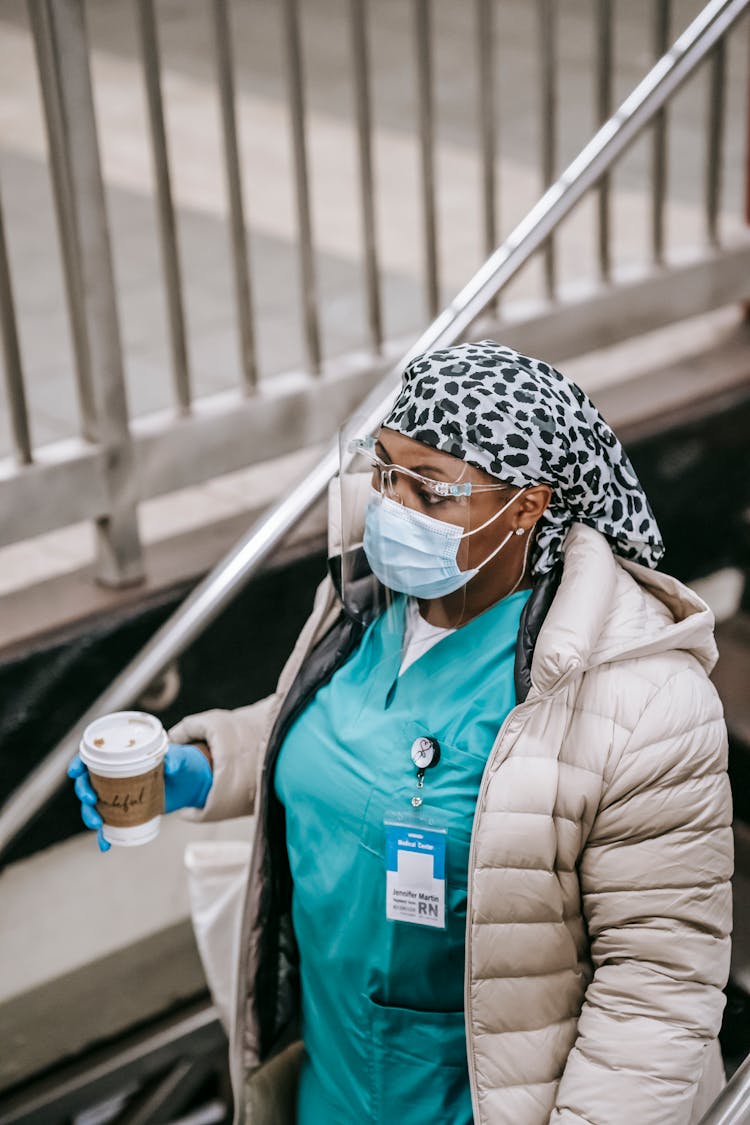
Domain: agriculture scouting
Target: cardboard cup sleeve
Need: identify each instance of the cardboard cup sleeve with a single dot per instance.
(125, 802)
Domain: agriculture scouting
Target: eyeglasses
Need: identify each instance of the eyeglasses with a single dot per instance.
(393, 480)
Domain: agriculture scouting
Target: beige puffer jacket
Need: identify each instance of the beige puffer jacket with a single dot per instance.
(599, 896)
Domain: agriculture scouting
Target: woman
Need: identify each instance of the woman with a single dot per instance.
(490, 879)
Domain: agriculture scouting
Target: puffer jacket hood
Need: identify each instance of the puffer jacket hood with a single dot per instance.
(614, 621)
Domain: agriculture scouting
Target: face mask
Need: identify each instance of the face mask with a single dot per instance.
(415, 554)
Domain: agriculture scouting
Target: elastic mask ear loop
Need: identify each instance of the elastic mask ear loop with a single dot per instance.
(510, 535)
(494, 517)
(499, 548)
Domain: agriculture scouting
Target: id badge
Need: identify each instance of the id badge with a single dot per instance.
(415, 873)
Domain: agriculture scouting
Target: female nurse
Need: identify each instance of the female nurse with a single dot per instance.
(490, 876)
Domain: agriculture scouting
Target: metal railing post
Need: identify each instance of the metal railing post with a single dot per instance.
(238, 233)
(119, 558)
(548, 99)
(487, 118)
(715, 146)
(295, 78)
(423, 48)
(48, 70)
(19, 416)
(149, 37)
(362, 102)
(604, 73)
(661, 19)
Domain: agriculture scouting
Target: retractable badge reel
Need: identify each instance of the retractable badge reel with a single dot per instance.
(425, 753)
(415, 854)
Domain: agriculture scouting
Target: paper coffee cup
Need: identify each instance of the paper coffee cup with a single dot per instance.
(124, 754)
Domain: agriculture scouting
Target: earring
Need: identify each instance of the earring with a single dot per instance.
(520, 531)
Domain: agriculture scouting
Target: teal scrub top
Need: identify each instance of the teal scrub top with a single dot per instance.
(383, 1001)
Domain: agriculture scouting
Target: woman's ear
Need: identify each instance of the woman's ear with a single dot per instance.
(533, 504)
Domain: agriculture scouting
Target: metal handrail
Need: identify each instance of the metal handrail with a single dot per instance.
(732, 1107)
(231, 574)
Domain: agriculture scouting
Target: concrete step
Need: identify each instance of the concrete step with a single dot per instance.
(94, 945)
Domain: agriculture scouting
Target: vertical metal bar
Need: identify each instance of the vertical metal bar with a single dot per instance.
(715, 145)
(49, 83)
(548, 83)
(662, 13)
(423, 42)
(119, 551)
(167, 226)
(19, 417)
(295, 77)
(604, 109)
(487, 119)
(747, 134)
(364, 136)
(242, 285)
(746, 304)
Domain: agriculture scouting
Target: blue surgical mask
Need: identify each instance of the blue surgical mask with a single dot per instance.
(412, 553)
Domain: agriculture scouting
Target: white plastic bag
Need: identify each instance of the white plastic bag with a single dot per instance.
(217, 878)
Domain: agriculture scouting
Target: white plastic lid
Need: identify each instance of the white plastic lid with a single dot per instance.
(124, 735)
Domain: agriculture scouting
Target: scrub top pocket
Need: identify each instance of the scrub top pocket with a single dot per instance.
(415, 1055)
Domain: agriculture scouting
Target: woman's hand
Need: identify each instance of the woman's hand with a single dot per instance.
(187, 780)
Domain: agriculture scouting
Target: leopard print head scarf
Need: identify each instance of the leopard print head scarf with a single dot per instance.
(523, 422)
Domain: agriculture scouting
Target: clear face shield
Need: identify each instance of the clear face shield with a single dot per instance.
(364, 597)
(420, 529)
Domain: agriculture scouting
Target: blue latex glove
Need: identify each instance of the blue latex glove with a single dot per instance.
(187, 780)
